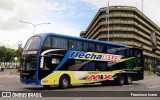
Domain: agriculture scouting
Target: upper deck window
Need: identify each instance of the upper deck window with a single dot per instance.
(59, 43)
(75, 45)
(33, 43)
(47, 43)
(89, 47)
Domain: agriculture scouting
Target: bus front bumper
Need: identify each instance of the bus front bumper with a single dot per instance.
(28, 81)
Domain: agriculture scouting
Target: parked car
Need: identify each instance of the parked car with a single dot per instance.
(10, 67)
(1, 68)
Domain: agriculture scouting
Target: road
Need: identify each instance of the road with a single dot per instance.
(10, 82)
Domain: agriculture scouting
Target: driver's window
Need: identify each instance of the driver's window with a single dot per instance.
(47, 63)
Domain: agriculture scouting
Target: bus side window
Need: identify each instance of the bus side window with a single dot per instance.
(85, 46)
(111, 50)
(121, 52)
(137, 53)
(47, 43)
(127, 53)
(91, 47)
(75, 45)
(59, 43)
(131, 52)
(104, 49)
(90, 66)
(101, 48)
(47, 63)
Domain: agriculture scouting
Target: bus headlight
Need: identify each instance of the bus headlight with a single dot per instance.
(55, 60)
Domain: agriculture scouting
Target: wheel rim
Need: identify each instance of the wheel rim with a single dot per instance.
(121, 80)
(129, 79)
(65, 82)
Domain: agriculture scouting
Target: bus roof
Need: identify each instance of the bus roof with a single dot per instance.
(78, 38)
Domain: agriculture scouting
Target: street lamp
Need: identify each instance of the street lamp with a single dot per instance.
(107, 18)
(34, 25)
(142, 6)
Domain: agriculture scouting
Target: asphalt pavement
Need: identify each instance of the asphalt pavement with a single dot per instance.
(9, 81)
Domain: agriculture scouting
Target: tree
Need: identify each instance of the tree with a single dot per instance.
(10, 54)
(19, 50)
(2, 53)
(7, 54)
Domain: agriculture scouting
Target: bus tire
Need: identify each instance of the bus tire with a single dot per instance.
(128, 80)
(64, 82)
(103, 83)
(120, 80)
(46, 86)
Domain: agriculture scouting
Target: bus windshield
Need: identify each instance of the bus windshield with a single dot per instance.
(30, 53)
(32, 44)
(29, 63)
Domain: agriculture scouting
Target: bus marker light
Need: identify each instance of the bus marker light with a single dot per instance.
(44, 81)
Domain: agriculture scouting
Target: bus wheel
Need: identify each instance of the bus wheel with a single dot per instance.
(128, 80)
(64, 82)
(46, 86)
(120, 80)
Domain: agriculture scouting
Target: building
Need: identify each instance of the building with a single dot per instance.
(127, 25)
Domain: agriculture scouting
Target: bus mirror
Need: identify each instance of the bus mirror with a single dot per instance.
(42, 62)
(55, 61)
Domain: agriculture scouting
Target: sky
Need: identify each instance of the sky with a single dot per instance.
(68, 17)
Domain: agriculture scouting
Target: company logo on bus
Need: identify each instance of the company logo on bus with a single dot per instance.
(94, 56)
(99, 77)
(32, 52)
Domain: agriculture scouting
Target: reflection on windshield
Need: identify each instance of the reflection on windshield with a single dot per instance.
(27, 44)
(33, 43)
(29, 64)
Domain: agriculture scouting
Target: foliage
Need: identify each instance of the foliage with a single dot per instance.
(7, 54)
(2, 53)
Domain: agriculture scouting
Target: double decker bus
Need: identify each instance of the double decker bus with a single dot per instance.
(53, 59)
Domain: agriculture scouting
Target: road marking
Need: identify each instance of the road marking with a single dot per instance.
(4, 76)
(78, 99)
(131, 89)
(11, 76)
(17, 77)
(155, 86)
